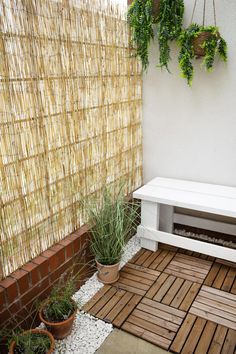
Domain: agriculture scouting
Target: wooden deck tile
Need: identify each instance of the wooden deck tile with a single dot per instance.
(136, 279)
(146, 335)
(189, 268)
(151, 317)
(215, 305)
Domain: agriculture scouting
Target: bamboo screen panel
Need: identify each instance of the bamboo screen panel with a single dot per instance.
(70, 118)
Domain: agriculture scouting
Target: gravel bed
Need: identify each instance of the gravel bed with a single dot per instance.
(88, 332)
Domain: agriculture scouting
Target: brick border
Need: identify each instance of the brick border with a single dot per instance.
(35, 279)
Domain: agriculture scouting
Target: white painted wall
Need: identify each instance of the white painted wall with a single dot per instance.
(190, 133)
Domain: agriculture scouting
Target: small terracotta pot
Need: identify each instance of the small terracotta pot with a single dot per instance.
(59, 330)
(155, 7)
(40, 331)
(108, 274)
(198, 42)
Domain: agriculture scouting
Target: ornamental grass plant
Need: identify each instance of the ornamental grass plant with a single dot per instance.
(112, 221)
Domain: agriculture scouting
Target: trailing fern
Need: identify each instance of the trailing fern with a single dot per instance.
(141, 20)
(169, 27)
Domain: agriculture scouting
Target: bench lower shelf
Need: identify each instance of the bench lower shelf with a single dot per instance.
(153, 236)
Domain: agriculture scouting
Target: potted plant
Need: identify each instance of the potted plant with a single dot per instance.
(168, 16)
(34, 341)
(169, 27)
(59, 310)
(155, 7)
(200, 41)
(111, 223)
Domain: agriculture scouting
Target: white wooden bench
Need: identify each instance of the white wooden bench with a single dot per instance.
(172, 193)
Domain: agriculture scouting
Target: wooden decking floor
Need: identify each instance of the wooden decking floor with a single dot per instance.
(179, 300)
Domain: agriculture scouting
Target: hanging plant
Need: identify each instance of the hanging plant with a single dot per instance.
(141, 20)
(170, 21)
(143, 14)
(199, 41)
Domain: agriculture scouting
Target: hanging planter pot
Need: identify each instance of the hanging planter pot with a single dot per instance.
(155, 7)
(199, 41)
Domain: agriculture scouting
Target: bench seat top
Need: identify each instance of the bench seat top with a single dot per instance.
(210, 198)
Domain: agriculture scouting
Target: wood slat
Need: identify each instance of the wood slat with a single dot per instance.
(156, 286)
(179, 297)
(129, 288)
(143, 257)
(165, 261)
(206, 338)
(172, 291)
(110, 304)
(225, 262)
(96, 297)
(164, 288)
(204, 264)
(233, 289)
(151, 258)
(195, 334)
(212, 274)
(183, 270)
(160, 314)
(136, 278)
(137, 255)
(192, 293)
(126, 311)
(208, 308)
(218, 340)
(149, 336)
(133, 283)
(216, 304)
(118, 307)
(153, 274)
(153, 318)
(218, 298)
(229, 346)
(223, 294)
(100, 303)
(150, 326)
(158, 259)
(211, 316)
(183, 333)
(189, 267)
(219, 280)
(229, 280)
(162, 307)
(183, 276)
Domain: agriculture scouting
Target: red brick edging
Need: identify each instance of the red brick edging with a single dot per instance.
(35, 279)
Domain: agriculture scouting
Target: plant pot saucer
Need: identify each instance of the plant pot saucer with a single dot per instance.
(108, 282)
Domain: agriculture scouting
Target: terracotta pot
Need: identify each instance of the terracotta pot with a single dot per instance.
(155, 7)
(198, 42)
(42, 331)
(59, 330)
(108, 274)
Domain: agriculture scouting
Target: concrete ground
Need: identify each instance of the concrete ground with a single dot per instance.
(120, 342)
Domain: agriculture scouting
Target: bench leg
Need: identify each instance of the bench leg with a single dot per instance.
(150, 215)
(167, 218)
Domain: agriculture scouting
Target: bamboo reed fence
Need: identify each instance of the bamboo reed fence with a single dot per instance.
(70, 118)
